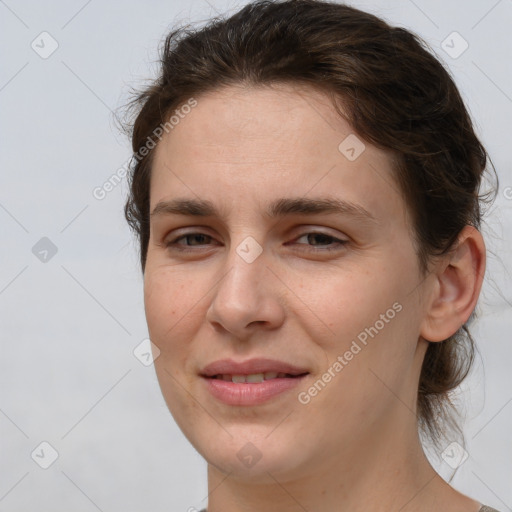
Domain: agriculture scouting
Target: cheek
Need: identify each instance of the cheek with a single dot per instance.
(172, 308)
(348, 301)
(369, 318)
(172, 312)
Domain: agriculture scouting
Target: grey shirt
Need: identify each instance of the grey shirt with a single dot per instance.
(484, 508)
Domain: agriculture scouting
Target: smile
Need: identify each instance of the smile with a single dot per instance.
(254, 377)
(253, 389)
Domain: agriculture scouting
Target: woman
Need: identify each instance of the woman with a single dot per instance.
(305, 192)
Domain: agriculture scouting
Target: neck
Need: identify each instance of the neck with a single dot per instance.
(380, 468)
(386, 470)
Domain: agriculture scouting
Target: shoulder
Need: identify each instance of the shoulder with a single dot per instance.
(484, 508)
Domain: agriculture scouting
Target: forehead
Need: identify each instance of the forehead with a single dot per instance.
(260, 143)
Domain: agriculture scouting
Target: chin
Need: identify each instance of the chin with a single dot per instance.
(251, 454)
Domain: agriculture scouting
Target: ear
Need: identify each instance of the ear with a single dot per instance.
(457, 284)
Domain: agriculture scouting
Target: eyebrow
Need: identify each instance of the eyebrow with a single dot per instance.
(278, 208)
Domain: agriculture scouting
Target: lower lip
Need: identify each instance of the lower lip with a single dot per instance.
(252, 393)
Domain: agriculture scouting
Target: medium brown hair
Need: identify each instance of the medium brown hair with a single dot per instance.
(395, 94)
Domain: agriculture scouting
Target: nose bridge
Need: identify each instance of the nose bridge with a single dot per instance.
(245, 293)
(246, 268)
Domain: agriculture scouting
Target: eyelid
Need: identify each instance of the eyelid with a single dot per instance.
(336, 241)
(302, 229)
(306, 229)
(187, 230)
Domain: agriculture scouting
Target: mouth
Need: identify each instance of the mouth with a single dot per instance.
(255, 378)
(253, 382)
(256, 368)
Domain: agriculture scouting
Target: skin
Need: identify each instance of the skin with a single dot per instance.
(355, 445)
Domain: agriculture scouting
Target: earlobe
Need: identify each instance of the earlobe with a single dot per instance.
(459, 280)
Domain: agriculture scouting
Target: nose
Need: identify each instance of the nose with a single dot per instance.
(247, 298)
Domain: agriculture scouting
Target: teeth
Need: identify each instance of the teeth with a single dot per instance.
(252, 378)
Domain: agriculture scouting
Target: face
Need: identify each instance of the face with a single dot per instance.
(270, 272)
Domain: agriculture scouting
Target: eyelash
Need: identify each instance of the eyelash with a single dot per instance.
(172, 244)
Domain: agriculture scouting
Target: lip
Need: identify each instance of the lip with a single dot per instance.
(249, 394)
(256, 365)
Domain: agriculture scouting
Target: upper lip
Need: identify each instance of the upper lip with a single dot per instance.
(251, 366)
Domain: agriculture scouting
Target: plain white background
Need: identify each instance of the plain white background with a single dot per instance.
(71, 319)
